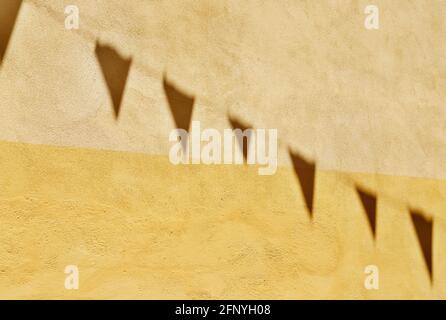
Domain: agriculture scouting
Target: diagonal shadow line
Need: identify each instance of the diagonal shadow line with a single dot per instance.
(115, 69)
(9, 10)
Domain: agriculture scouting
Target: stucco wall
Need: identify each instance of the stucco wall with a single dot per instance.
(80, 186)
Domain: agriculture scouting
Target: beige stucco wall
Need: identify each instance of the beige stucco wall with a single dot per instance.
(79, 187)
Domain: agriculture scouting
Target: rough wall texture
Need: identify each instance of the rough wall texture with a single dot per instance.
(80, 186)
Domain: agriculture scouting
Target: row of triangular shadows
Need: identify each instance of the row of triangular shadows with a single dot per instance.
(116, 69)
(306, 173)
(181, 106)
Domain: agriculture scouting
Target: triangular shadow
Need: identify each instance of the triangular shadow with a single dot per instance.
(306, 173)
(242, 141)
(423, 228)
(368, 201)
(181, 105)
(115, 69)
(9, 10)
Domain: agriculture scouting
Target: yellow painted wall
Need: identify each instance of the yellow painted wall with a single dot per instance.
(78, 186)
(138, 227)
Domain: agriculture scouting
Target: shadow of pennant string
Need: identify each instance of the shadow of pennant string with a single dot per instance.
(423, 228)
(115, 69)
(368, 201)
(306, 173)
(181, 106)
(241, 139)
(9, 10)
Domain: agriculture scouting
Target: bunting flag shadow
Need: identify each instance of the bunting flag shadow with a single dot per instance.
(423, 228)
(181, 105)
(242, 140)
(115, 69)
(306, 173)
(368, 201)
(9, 10)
